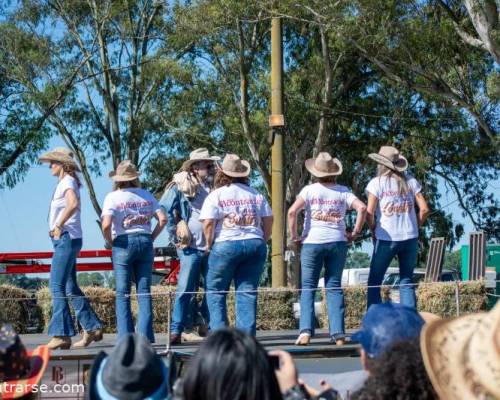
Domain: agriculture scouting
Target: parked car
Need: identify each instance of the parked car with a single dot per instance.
(393, 280)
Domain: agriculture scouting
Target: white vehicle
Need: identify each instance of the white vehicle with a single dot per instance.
(350, 277)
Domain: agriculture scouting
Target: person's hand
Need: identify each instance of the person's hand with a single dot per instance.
(57, 232)
(352, 236)
(287, 372)
(315, 392)
(207, 249)
(107, 245)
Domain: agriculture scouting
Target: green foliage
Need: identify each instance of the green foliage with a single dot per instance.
(150, 82)
(90, 279)
(357, 259)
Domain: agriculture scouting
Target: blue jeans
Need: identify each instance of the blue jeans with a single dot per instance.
(193, 264)
(133, 258)
(243, 262)
(312, 259)
(383, 253)
(63, 284)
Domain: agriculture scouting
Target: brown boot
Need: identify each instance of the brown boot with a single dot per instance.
(59, 343)
(89, 337)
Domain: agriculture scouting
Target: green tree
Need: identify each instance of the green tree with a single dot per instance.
(357, 259)
(90, 279)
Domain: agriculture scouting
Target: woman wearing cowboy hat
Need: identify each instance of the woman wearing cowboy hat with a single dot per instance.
(394, 222)
(65, 230)
(237, 223)
(126, 224)
(324, 242)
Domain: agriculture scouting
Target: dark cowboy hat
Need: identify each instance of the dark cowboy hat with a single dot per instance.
(132, 371)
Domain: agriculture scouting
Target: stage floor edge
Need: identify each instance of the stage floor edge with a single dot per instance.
(320, 346)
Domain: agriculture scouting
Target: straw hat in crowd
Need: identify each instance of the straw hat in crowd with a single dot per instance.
(462, 356)
(125, 171)
(391, 158)
(19, 368)
(324, 165)
(62, 155)
(200, 154)
(235, 167)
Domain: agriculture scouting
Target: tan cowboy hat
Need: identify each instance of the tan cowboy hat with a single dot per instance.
(60, 154)
(324, 165)
(125, 171)
(200, 154)
(234, 166)
(390, 157)
(462, 356)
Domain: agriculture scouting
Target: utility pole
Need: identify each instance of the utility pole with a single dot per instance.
(276, 123)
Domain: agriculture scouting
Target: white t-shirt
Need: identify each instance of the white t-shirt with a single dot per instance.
(238, 210)
(395, 217)
(73, 225)
(132, 210)
(325, 208)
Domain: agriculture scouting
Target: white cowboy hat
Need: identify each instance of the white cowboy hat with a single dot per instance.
(200, 154)
(125, 171)
(462, 356)
(324, 165)
(390, 157)
(62, 155)
(235, 167)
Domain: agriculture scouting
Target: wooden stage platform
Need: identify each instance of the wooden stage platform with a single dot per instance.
(320, 346)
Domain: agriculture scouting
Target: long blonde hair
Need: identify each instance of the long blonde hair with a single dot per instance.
(403, 189)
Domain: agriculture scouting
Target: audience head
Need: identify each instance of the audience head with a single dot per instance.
(131, 371)
(230, 365)
(383, 325)
(462, 356)
(20, 369)
(398, 373)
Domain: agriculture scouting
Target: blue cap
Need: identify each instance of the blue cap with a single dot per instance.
(385, 324)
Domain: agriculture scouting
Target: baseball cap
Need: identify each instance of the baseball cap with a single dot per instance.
(385, 324)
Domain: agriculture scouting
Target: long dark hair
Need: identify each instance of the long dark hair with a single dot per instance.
(230, 365)
(398, 373)
(221, 179)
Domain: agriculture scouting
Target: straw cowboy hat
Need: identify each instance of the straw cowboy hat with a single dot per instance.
(462, 356)
(125, 171)
(60, 154)
(324, 165)
(390, 157)
(200, 154)
(235, 167)
(20, 369)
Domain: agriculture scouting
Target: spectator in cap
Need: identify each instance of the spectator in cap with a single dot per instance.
(237, 222)
(126, 224)
(131, 371)
(390, 354)
(65, 231)
(20, 370)
(393, 198)
(383, 325)
(182, 202)
(324, 242)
